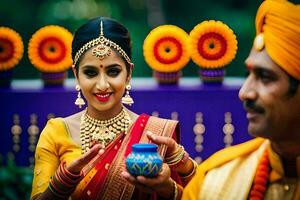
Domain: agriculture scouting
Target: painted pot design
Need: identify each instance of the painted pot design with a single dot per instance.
(144, 160)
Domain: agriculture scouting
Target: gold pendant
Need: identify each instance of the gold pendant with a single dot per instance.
(101, 51)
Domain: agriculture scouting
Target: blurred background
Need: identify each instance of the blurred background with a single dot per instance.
(140, 16)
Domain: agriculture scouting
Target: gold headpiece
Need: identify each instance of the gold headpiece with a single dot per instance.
(102, 48)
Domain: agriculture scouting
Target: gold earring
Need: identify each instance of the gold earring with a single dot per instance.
(79, 101)
(127, 98)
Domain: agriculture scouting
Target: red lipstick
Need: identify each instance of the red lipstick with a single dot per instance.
(103, 97)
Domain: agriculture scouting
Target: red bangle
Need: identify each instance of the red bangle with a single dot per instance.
(64, 175)
(60, 179)
(69, 174)
(57, 191)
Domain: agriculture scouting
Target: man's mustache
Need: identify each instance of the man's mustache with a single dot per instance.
(251, 105)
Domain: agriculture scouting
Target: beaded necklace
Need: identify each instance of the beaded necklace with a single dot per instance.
(102, 131)
(261, 178)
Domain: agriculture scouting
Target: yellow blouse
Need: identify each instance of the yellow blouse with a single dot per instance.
(54, 146)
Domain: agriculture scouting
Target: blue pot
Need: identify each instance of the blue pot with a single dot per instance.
(144, 160)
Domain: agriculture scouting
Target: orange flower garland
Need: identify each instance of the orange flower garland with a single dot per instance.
(11, 48)
(212, 44)
(166, 48)
(49, 49)
(261, 178)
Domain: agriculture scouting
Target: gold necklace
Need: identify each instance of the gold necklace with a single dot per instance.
(102, 131)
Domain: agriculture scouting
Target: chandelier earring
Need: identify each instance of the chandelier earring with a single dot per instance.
(127, 99)
(79, 101)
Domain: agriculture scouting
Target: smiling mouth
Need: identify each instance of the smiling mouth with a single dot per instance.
(103, 97)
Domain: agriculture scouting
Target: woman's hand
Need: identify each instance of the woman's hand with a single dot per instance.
(169, 142)
(183, 165)
(78, 165)
(162, 183)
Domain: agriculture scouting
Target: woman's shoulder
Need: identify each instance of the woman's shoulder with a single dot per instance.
(73, 119)
(60, 124)
(73, 116)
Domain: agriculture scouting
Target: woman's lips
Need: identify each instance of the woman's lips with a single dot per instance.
(103, 97)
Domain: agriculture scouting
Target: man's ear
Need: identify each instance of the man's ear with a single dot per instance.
(74, 71)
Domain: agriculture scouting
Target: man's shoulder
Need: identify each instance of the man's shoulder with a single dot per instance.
(230, 153)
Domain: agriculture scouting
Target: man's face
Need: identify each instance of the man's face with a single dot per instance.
(271, 112)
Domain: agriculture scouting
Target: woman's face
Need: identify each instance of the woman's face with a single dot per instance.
(102, 83)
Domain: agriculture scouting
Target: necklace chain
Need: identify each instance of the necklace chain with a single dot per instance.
(102, 131)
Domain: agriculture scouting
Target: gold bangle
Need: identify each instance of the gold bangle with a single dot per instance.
(195, 165)
(175, 190)
(176, 157)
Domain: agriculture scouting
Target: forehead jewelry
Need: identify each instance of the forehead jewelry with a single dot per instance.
(102, 47)
(102, 50)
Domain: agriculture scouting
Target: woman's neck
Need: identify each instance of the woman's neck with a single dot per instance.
(104, 115)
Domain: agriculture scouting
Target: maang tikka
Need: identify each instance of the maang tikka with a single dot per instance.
(79, 101)
(102, 50)
(127, 99)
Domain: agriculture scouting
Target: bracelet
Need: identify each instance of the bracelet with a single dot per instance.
(68, 176)
(55, 192)
(61, 180)
(63, 183)
(195, 165)
(176, 157)
(60, 189)
(175, 190)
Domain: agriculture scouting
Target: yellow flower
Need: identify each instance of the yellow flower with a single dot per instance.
(166, 48)
(11, 48)
(49, 49)
(212, 44)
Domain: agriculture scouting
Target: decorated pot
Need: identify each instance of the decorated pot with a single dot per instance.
(144, 160)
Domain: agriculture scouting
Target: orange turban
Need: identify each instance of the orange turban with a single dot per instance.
(279, 21)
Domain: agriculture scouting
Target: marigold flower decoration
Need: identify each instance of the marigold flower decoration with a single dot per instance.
(166, 48)
(49, 49)
(11, 48)
(212, 44)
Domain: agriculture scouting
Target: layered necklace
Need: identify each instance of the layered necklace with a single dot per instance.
(102, 131)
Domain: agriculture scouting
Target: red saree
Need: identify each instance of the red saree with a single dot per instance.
(103, 178)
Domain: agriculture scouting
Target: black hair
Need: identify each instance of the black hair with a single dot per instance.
(112, 30)
(293, 85)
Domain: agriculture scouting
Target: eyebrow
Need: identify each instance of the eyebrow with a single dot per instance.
(106, 67)
(259, 70)
(112, 65)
